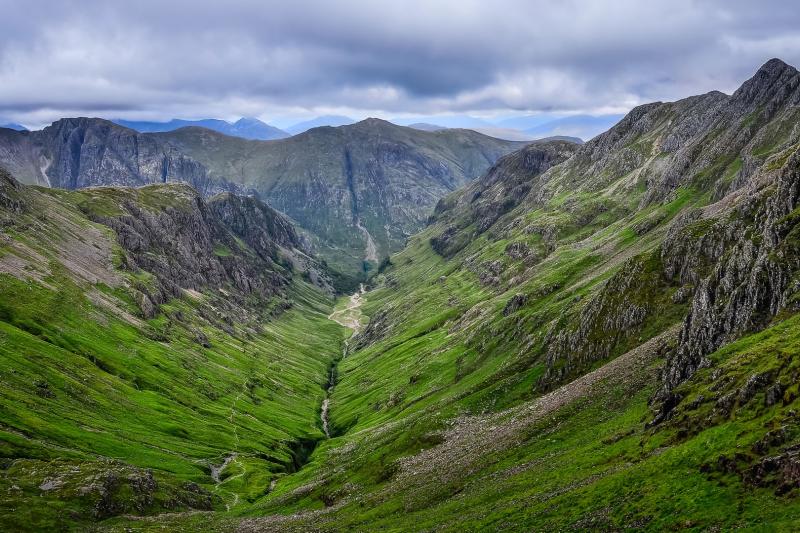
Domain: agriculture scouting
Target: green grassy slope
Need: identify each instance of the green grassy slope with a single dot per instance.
(610, 343)
(105, 412)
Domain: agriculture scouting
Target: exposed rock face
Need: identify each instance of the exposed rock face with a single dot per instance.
(171, 233)
(10, 193)
(83, 152)
(501, 189)
(259, 225)
(270, 234)
(744, 268)
(336, 183)
(591, 333)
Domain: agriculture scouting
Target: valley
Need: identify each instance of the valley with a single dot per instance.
(544, 336)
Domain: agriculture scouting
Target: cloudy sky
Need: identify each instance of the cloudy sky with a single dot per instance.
(286, 60)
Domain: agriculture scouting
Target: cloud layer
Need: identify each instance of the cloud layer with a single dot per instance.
(158, 59)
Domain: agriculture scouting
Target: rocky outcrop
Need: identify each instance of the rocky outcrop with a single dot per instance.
(270, 234)
(11, 202)
(183, 245)
(609, 322)
(744, 267)
(260, 226)
(499, 191)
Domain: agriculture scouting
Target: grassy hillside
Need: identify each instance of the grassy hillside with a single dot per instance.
(106, 411)
(595, 338)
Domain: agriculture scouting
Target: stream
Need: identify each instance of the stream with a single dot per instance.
(349, 317)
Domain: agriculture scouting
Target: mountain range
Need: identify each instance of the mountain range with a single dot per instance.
(521, 128)
(597, 336)
(358, 191)
(246, 128)
(14, 126)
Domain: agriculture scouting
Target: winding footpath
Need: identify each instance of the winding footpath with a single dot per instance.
(349, 317)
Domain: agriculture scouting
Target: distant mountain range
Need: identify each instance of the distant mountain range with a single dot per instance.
(246, 128)
(583, 126)
(14, 126)
(522, 128)
(424, 126)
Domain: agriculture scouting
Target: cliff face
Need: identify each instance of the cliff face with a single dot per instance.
(258, 224)
(170, 233)
(371, 182)
(743, 265)
(84, 152)
(271, 235)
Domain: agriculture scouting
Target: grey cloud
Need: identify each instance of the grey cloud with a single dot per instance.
(158, 59)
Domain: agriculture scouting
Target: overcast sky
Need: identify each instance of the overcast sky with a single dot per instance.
(281, 60)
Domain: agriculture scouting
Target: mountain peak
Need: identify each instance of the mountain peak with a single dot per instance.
(774, 66)
(774, 79)
(247, 121)
(372, 121)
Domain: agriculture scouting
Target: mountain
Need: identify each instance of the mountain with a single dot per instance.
(447, 121)
(509, 134)
(246, 128)
(602, 337)
(354, 189)
(325, 120)
(526, 122)
(548, 125)
(84, 152)
(252, 128)
(14, 126)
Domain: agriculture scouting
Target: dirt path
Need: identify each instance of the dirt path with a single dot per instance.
(231, 458)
